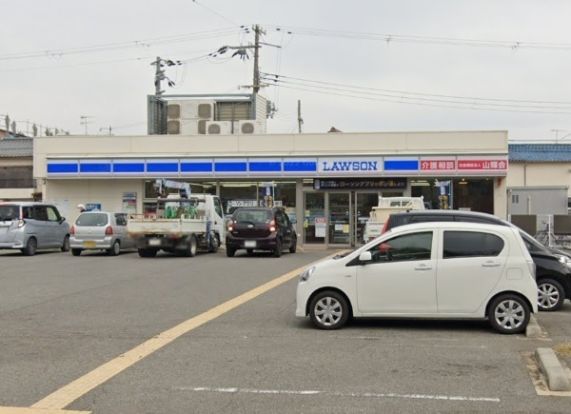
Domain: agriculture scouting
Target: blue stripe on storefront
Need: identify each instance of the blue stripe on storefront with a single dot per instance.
(259, 166)
(230, 167)
(95, 168)
(138, 167)
(62, 168)
(294, 166)
(404, 165)
(162, 167)
(196, 167)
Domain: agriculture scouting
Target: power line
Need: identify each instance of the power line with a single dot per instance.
(375, 97)
(104, 62)
(105, 47)
(394, 38)
(272, 76)
(211, 10)
(417, 97)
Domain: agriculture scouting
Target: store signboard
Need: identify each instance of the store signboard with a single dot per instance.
(359, 184)
(401, 164)
(483, 164)
(243, 167)
(438, 164)
(129, 202)
(350, 165)
(320, 227)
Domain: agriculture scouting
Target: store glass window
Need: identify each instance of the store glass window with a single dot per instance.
(470, 194)
(474, 194)
(238, 194)
(195, 187)
(258, 194)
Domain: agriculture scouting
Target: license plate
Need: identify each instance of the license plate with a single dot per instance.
(89, 244)
(154, 242)
(250, 244)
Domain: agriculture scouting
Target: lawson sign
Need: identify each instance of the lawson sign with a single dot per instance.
(350, 165)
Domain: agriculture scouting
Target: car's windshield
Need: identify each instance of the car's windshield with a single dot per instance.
(91, 220)
(532, 244)
(9, 212)
(253, 216)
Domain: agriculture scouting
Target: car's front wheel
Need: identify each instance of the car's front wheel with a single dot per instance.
(550, 295)
(65, 245)
(76, 252)
(278, 249)
(329, 310)
(293, 245)
(509, 314)
(230, 251)
(214, 243)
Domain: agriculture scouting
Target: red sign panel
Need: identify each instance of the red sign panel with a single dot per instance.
(482, 165)
(437, 164)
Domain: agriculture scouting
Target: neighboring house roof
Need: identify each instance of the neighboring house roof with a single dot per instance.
(16, 147)
(540, 152)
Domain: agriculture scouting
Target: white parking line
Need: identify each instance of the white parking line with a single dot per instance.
(234, 390)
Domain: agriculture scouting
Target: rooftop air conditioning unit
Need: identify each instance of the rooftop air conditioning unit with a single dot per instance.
(251, 127)
(197, 110)
(173, 127)
(219, 128)
(189, 127)
(173, 111)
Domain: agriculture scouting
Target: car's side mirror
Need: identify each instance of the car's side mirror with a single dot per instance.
(62, 219)
(365, 257)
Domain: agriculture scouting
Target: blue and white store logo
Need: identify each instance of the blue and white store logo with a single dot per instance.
(361, 165)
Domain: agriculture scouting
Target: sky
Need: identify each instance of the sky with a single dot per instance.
(361, 65)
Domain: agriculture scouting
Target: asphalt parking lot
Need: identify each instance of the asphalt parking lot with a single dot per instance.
(63, 317)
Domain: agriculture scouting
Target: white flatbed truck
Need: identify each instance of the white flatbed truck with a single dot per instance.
(387, 206)
(179, 225)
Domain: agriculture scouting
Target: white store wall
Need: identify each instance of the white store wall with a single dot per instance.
(67, 194)
(538, 174)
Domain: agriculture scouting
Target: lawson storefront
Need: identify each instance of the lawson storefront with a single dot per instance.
(328, 183)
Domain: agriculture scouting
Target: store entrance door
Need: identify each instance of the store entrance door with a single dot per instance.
(314, 218)
(363, 203)
(339, 223)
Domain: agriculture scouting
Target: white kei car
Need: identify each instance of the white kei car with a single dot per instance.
(434, 270)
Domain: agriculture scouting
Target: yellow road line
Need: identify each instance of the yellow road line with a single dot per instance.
(25, 410)
(61, 398)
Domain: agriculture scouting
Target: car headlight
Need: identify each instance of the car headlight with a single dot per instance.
(564, 259)
(306, 274)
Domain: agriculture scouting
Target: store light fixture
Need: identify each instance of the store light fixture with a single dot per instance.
(463, 182)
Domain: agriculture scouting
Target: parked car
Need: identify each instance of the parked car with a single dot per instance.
(426, 270)
(32, 226)
(254, 228)
(553, 273)
(100, 230)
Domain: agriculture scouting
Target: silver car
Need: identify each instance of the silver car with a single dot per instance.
(32, 226)
(100, 230)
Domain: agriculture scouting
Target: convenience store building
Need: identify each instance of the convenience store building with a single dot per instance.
(327, 182)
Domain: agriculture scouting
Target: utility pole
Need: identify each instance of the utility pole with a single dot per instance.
(242, 52)
(160, 73)
(158, 76)
(84, 120)
(299, 118)
(256, 83)
(108, 129)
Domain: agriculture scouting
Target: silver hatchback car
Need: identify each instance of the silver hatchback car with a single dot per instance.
(100, 230)
(31, 226)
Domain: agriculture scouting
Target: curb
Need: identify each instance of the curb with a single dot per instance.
(533, 330)
(556, 374)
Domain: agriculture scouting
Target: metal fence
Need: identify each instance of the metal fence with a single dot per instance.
(549, 229)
